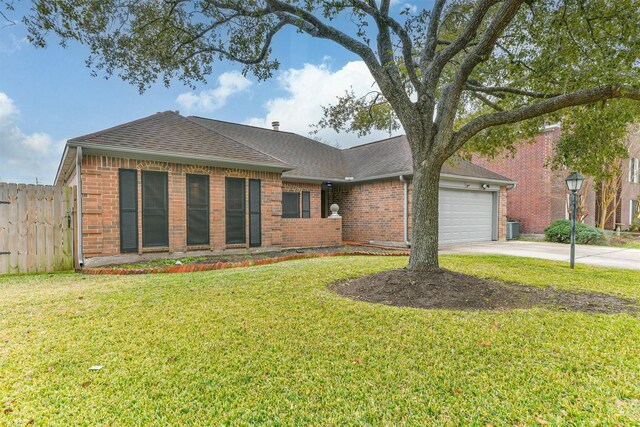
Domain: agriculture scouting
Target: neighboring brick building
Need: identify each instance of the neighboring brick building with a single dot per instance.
(541, 194)
(173, 184)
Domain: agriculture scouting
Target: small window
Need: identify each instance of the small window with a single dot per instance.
(634, 170)
(290, 205)
(306, 204)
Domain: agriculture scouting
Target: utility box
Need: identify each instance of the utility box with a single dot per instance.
(513, 230)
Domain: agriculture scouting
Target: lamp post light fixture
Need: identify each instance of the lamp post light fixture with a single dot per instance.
(574, 184)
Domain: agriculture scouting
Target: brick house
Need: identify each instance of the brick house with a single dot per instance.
(541, 194)
(173, 184)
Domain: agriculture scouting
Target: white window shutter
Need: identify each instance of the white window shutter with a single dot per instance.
(636, 171)
(631, 165)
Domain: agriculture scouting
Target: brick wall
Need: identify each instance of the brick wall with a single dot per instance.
(100, 204)
(540, 194)
(301, 232)
(630, 190)
(371, 211)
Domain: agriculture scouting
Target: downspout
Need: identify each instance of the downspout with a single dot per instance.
(79, 205)
(406, 210)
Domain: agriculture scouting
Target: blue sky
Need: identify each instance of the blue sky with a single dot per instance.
(48, 95)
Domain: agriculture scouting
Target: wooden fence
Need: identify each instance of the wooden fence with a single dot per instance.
(36, 228)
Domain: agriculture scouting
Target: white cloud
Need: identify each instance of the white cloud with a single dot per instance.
(309, 89)
(229, 84)
(23, 158)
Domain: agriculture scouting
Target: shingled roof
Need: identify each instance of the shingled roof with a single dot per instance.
(170, 133)
(179, 138)
(312, 159)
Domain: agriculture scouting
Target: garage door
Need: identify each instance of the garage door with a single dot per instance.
(465, 216)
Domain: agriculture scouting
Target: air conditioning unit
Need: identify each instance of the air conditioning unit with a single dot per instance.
(513, 230)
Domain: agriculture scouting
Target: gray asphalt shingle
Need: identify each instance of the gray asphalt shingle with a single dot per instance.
(303, 157)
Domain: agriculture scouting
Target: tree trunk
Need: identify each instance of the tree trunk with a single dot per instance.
(424, 235)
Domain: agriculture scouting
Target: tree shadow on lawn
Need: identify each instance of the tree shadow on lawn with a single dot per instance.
(450, 290)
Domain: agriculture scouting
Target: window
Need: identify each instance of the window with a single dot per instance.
(235, 210)
(197, 209)
(290, 205)
(634, 212)
(306, 204)
(634, 170)
(128, 210)
(155, 215)
(255, 220)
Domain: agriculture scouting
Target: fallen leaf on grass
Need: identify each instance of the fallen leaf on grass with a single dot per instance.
(86, 384)
(7, 410)
(30, 421)
(456, 390)
(541, 421)
(620, 403)
(171, 359)
(357, 360)
(484, 343)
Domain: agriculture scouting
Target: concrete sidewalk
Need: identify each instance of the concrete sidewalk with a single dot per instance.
(585, 254)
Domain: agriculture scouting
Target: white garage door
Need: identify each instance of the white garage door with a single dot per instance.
(465, 216)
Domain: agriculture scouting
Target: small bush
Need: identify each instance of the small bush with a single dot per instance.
(560, 231)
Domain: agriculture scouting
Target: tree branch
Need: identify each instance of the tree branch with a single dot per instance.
(429, 49)
(475, 86)
(469, 32)
(547, 106)
(487, 101)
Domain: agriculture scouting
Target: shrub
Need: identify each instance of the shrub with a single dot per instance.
(560, 231)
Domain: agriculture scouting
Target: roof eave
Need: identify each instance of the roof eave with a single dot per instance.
(477, 179)
(173, 157)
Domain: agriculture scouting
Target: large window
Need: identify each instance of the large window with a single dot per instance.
(290, 205)
(197, 210)
(235, 210)
(128, 210)
(155, 209)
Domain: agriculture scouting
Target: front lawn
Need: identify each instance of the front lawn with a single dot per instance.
(272, 345)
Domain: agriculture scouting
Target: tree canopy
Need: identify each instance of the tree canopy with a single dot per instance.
(485, 73)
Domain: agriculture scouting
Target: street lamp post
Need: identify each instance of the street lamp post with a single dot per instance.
(574, 184)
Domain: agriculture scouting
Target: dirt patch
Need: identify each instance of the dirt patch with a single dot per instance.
(450, 290)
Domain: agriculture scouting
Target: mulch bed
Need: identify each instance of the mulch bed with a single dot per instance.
(220, 265)
(444, 289)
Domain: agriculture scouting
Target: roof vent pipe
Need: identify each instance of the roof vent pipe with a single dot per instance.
(276, 125)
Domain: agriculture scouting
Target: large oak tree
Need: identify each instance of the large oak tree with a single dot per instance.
(485, 73)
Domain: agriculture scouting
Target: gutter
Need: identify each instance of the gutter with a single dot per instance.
(406, 210)
(79, 205)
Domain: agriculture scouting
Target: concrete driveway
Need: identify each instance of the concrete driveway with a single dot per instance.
(585, 254)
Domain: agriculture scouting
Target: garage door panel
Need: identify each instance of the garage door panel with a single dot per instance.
(465, 216)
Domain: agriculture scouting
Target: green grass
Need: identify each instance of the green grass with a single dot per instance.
(273, 346)
(633, 245)
(162, 262)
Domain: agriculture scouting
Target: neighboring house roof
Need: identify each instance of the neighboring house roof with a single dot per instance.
(168, 136)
